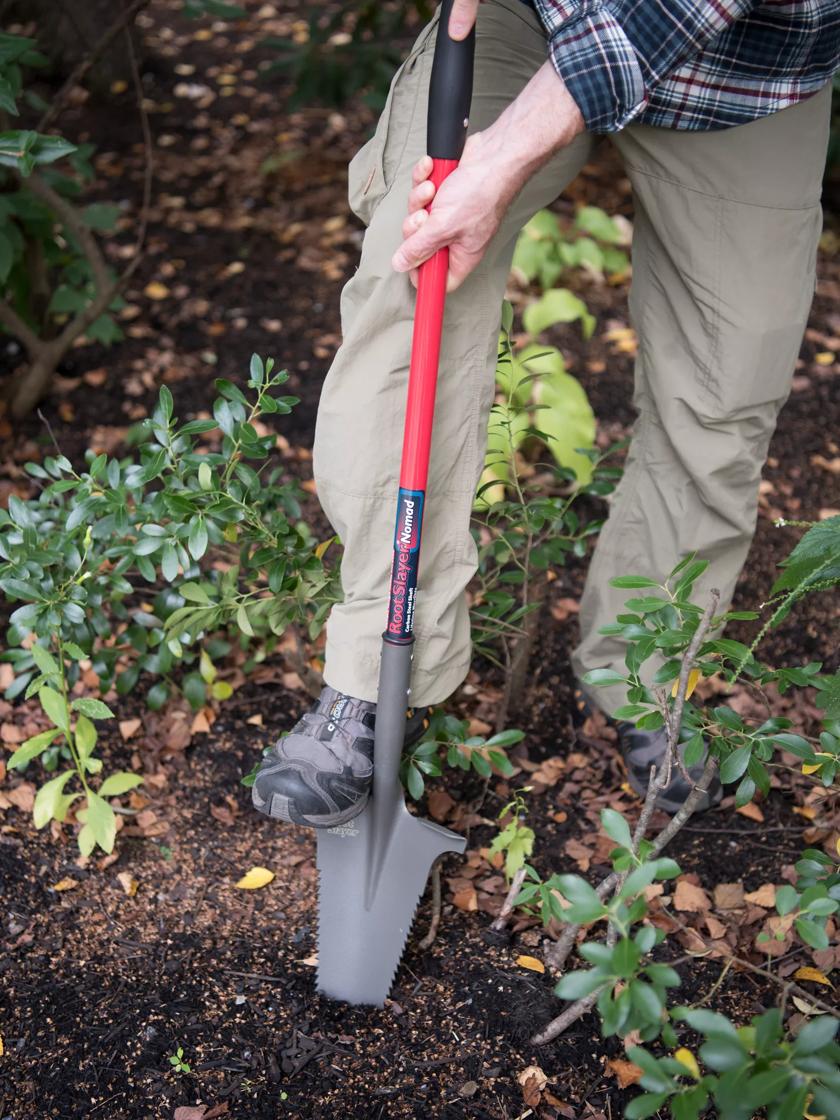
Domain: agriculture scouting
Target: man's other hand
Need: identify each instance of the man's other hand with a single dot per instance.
(462, 18)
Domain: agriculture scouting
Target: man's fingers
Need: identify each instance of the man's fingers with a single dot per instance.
(422, 170)
(419, 246)
(413, 222)
(420, 196)
(462, 19)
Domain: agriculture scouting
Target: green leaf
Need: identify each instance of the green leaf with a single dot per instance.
(86, 840)
(198, 539)
(816, 1034)
(601, 677)
(811, 933)
(48, 799)
(591, 219)
(34, 746)
(102, 822)
(557, 306)
(118, 783)
(53, 704)
(633, 582)
(414, 781)
(205, 477)
(94, 709)
(641, 1107)
(576, 985)
(734, 765)
(169, 563)
(565, 416)
(786, 899)
(646, 1002)
(616, 827)
(85, 736)
(625, 958)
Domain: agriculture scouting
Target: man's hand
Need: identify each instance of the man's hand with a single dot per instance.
(468, 208)
(462, 18)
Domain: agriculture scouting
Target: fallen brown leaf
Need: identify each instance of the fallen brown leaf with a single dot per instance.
(729, 896)
(688, 896)
(440, 804)
(128, 883)
(22, 796)
(751, 810)
(129, 727)
(533, 1081)
(765, 896)
(626, 1073)
(66, 884)
(466, 899)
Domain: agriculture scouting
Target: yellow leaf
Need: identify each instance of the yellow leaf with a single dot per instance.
(810, 768)
(119, 86)
(532, 963)
(824, 358)
(155, 290)
(807, 973)
(65, 885)
(2, 1050)
(688, 1061)
(323, 546)
(693, 680)
(806, 811)
(257, 877)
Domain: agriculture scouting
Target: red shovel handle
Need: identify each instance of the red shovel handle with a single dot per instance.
(450, 93)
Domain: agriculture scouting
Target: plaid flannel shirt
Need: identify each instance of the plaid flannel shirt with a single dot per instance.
(690, 65)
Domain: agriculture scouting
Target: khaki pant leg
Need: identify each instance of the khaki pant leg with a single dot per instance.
(724, 257)
(359, 429)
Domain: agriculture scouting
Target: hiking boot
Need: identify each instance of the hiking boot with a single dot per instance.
(321, 773)
(642, 750)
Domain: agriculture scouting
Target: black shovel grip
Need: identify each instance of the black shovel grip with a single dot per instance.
(450, 92)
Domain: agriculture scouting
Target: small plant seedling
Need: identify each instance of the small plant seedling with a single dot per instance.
(516, 839)
(177, 1062)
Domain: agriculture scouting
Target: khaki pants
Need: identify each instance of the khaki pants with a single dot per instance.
(724, 250)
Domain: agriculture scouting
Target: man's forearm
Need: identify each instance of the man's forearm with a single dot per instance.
(539, 122)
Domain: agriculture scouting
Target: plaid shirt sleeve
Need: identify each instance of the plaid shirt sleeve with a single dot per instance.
(612, 53)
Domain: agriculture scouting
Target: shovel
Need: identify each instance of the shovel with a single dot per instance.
(373, 870)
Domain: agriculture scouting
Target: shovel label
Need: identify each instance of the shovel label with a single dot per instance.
(406, 559)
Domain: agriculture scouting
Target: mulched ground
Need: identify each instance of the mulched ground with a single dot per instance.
(103, 980)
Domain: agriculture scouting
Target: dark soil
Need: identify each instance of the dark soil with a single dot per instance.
(100, 986)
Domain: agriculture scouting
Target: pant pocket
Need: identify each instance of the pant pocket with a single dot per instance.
(372, 170)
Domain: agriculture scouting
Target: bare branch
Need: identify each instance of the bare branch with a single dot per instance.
(504, 914)
(123, 21)
(558, 953)
(16, 326)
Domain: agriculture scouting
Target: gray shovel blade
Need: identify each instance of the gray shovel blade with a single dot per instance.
(364, 918)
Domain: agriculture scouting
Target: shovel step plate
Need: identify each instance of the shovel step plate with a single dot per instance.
(369, 938)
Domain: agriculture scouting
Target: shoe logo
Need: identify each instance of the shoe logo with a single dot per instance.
(337, 708)
(343, 830)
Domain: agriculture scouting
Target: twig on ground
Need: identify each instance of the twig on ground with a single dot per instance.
(434, 925)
